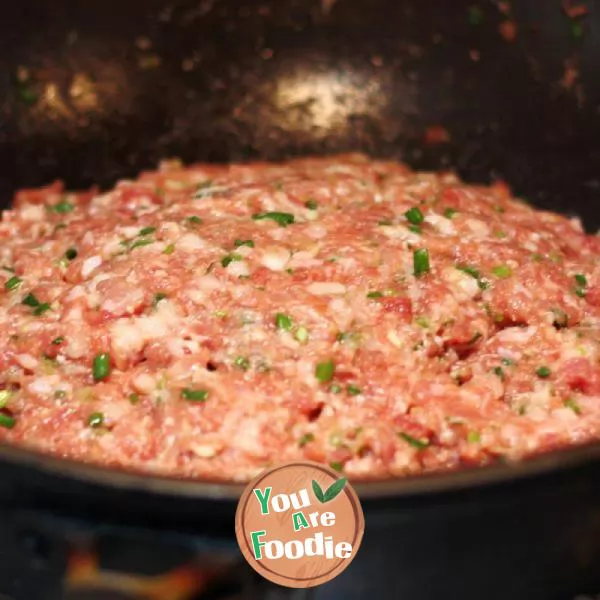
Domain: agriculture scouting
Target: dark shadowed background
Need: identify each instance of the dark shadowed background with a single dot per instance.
(96, 90)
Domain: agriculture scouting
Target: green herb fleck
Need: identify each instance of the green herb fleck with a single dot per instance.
(507, 362)
(334, 388)
(203, 189)
(13, 283)
(415, 229)
(374, 295)
(7, 421)
(194, 220)
(581, 284)
(450, 212)
(346, 336)
(62, 208)
(71, 254)
(573, 405)
(421, 262)
(194, 395)
(134, 398)
(157, 298)
(241, 362)
(555, 257)
(337, 466)
(324, 371)
(353, 390)
(311, 204)
(96, 420)
(283, 321)
(301, 335)
(472, 271)
(49, 361)
(476, 336)
(543, 372)
(502, 271)
(422, 322)
(499, 372)
(281, 218)
(414, 442)
(5, 396)
(306, 439)
(239, 243)
(30, 300)
(41, 309)
(473, 437)
(141, 242)
(227, 260)
(58, 340)
(414, 216)
(169, 249)
(147, 231)
(38, 307)
(101, 366)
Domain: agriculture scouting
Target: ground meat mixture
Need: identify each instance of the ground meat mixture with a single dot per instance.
(210, 321)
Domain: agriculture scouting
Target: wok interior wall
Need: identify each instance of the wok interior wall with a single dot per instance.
(106, 88)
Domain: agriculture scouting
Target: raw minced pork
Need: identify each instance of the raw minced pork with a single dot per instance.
(209, 321)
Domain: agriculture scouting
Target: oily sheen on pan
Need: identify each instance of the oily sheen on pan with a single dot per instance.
(209, 321)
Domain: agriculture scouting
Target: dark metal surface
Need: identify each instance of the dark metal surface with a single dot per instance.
(39, 472)
(49, 556)
(534, 538)
(95, 90)
(105, 88)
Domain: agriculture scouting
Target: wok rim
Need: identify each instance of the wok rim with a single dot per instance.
(465, 479)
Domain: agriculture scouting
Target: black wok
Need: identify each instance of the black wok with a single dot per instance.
(98, 90)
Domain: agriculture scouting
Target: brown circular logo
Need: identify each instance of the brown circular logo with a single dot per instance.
(300, 524)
